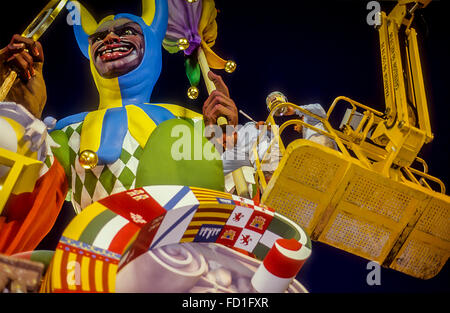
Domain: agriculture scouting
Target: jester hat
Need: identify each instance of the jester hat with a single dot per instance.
(105, 129)
(136, 86)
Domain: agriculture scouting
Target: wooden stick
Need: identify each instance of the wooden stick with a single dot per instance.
(204, 67)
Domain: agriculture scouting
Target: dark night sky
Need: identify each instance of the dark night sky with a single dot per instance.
(312, 51)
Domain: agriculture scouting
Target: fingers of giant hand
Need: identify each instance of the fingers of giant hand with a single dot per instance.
(210, 101)
(32, 46)
(40, 53)
(218, 104)
(21, 44)
(23, 64)
(219, 83)
(219, 97)
(220, 110)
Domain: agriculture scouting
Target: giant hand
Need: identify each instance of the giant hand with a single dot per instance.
(219, 103)
(26, 57)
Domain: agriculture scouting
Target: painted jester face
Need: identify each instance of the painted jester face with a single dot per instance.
(117, 47)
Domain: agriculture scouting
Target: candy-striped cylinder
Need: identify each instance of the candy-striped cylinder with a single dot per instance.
(280, 266)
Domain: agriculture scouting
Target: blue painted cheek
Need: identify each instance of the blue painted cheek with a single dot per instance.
(136, 86)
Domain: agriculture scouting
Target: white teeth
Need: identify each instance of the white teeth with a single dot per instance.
(125, 49)
(120, 49)
(106, 51)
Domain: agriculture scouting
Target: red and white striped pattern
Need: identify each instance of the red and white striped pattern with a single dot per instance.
(280, 266)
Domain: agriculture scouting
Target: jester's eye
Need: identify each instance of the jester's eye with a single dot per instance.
(127, 32)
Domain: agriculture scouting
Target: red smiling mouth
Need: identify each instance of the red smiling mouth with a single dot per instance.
(112, 52)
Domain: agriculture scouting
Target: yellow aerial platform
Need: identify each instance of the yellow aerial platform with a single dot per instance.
(368, 198)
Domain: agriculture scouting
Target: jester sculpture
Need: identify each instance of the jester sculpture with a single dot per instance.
(125, 143)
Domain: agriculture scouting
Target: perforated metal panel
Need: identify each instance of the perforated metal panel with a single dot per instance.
(298, 209)
(436, 220)
(303, 184)
(381, 199)
(311, 170)
(427, 248)
(356, 235)
(420, 259)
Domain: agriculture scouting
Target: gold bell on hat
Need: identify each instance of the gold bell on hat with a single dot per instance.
(88, 159)
(191, 1)
(230, 66)
(183, 43)
(192, 92)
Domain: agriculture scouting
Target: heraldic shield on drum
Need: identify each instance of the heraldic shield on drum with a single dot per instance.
(168, 199)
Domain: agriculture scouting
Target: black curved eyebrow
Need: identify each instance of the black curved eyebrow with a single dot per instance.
(104, 33)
